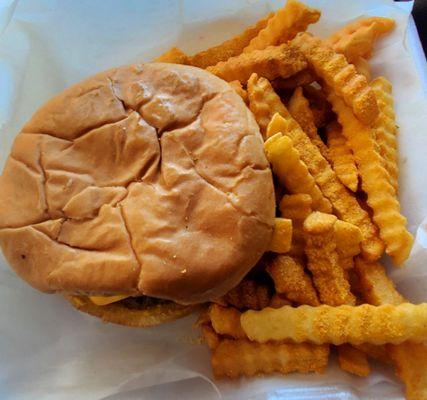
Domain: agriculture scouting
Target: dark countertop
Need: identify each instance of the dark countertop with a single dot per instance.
(419, 13)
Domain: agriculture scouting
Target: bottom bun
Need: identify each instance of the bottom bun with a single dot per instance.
(136, 312)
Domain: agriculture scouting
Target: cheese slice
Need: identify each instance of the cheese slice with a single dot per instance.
(105, 300)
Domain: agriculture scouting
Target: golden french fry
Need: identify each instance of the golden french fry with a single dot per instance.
(357, 38)
(323, 262)
(297, 208)
(320, 108)
(337, 325)
(363, 68)
(226, 321)
(341, 157)
(378, 353)
(386, 129)
(341, 76)
(294, 17)
(353, 360)
(238, 88)
(299, 108)
(263, 101)
(292, 172)
(375, 183)
(229, 48)
(348, 238)
(173, 55)
(282, 236)
(210, 336)
(304, 77)
(235, 358)
(345, 205)
(410, 359)
(248, 294)
(291, 280)
(278, 300)
(271, 63)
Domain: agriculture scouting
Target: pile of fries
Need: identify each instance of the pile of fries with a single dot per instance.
(330, 136)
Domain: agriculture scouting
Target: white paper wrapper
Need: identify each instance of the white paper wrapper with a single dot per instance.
(50, 351)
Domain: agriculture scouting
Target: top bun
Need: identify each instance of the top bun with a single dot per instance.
(143, 180)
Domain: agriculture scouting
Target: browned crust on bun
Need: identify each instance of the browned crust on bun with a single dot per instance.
(146, 179)
(118, 313)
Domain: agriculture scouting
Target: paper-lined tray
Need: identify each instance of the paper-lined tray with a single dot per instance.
(49, 350)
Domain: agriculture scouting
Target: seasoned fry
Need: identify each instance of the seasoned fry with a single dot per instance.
(291, 280)
(357, 38)
(410, 359)
(210, 336)
(337, 325)
(341, 76)
(321, 109)
(341, 156)
(378, 353)
(279, 300)
(304, 77)
(299, 108)
(173, 55)
(248, 294)
(230, 48)
(296, 207)
(348, 238)
(238, 88)
(294, 17)
(264, 102)
(271, 63)
(353, 360)
(235, 358)
(226, 321)
(375, 183)
(282, 236)
(345, 205)
(292, 172)
(363, 68)
(385, 128)
(323, 261)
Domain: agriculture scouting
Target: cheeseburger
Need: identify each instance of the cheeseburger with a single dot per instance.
(138, 194)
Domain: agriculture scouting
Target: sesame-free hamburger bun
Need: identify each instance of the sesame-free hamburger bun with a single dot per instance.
(145, 180)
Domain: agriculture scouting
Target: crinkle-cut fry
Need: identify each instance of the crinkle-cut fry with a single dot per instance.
(282, 236)
(378, 353)
(294, 17)
(248, 294)
(264, 101)
(279, 300)
(342, 158)
(300, 110)
(337, 325)
(323, 262)
(230, 48)
(357, 38)
(238, 88)
(210, 336)
(341, 76)
(410, 359)
(376, 287)
(321, 109)
(375, 183)
(226, 321)
(235, 358)
(363, 68)
(386, 129)
(296, 207)
(344, 204)
(291, 280)
(174, 56)
(353, 360)
(348, 238)
(271, 63)
(292, 172)
(304, 77)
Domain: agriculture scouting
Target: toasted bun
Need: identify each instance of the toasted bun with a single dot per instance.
(144, 316)
(143, 180)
